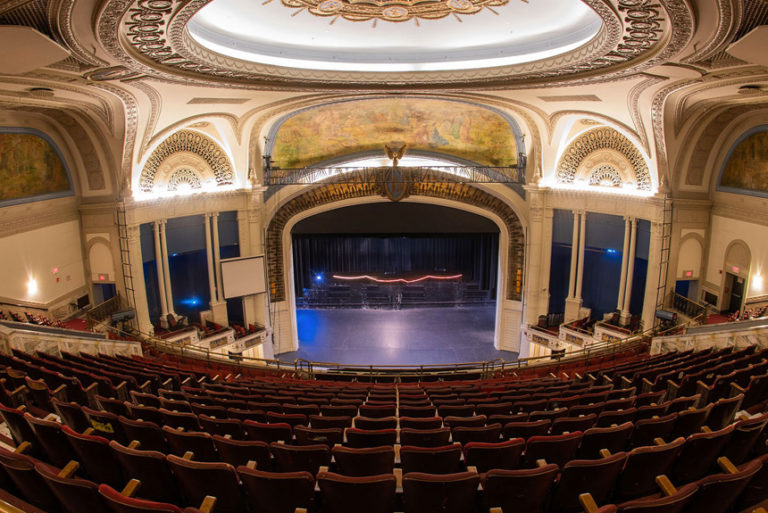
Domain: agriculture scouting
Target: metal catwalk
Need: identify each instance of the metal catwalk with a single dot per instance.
(411, 336)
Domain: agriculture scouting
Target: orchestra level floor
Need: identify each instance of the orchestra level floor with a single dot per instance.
(413, 336)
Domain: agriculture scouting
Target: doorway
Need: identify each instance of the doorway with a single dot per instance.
(733, 296)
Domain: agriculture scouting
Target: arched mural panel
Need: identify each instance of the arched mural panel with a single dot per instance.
(31, 167)
(746, 167)
(459, 129)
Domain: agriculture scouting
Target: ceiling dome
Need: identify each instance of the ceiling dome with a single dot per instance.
(388, 36)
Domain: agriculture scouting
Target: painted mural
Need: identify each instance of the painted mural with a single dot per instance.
(29, 166)
(458, 129)
(747, 167)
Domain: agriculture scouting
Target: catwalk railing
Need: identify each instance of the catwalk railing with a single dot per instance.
(399, 175)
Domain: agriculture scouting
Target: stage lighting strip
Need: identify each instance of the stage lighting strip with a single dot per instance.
(397, 280)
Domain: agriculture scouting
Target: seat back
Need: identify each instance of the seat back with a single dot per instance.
(325, 422)
(596, 477)
(723, 411)
(745, 437)
(421, 422)
(368, 461)
(608, 418)
(74, 494)
(268, 432)
(70, 414)
(198, 479)
(374, 423)
(197, 442)
(690, 421)
(647, 430)
(185, 420)
(525, 430)
(347, 494)
(642, 466)
(431, 460)
(674, 503)
(296, 458)
(615, 439)
(21, 470)
(699, 454)
(498, 455)
(718, 492)
(569, 424)
(489, 434)
(96, 458)
(119, 503)
(151, 468)
(557, 449)
(448, 493)
(270, 492)
(359, 438)
(311, 436)
(20, 429)
(147, 433)
(520, 490)
(240, 452)
(52, 441)
(105, 424)
(425, 437)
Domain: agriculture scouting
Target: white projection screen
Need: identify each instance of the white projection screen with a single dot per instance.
(243, 276)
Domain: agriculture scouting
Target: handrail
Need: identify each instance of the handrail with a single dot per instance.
(308, 368)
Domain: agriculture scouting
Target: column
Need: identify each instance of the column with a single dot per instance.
(582, 242)
(209, 257)
(160, 271)
(652, 277)
(623, 278)
(166, 266)
(217, 257)
(630, 269)
(574, 255)
(137, 275)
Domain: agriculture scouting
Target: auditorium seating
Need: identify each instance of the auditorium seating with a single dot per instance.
(538, 441)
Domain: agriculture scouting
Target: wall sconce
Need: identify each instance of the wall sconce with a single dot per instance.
(32, 287)
(757, 282)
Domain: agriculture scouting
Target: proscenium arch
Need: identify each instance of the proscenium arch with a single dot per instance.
(273, 133)
(285, 254)
(330, 193)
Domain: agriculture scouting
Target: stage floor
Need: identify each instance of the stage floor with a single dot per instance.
(412, 336)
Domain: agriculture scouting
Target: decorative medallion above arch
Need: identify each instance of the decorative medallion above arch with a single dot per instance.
(455, 129)
(605, 157)
(186, 159)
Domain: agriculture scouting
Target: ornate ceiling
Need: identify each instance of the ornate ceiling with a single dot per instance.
(654, 74)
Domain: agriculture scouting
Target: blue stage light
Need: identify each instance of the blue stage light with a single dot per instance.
(318, 277)
(609, 250)
(190, 301)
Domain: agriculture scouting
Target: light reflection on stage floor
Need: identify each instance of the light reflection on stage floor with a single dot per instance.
(412, 336)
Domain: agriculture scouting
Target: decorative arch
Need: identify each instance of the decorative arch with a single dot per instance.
(187, 142)
(690, 255)
(601, 147)
(738, 254)
(452, 191)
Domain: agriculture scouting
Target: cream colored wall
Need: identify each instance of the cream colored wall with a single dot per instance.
(726, 230)
(35, 254)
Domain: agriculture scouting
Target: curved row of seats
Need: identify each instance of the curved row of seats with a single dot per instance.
(310, 412)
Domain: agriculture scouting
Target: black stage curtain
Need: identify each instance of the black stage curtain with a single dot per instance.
(474, 255)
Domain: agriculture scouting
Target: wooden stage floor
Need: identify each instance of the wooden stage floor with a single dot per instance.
(413, 336)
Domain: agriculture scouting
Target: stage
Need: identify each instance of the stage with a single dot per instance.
(411, 336)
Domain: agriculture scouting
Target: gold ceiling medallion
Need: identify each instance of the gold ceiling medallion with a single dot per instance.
(393, 10)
